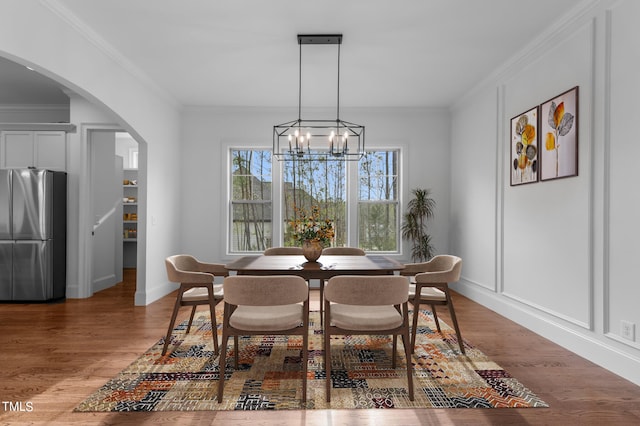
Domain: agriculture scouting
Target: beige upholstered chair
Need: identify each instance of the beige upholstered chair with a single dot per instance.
(336, 251)
(278, 251)
(374, 305)
(259, 305)
(430, 280)
(196, 288)
(343, 251)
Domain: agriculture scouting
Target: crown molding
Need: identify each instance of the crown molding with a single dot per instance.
(107, 49)
(65, 127)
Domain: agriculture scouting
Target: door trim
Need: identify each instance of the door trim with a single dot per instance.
(85, 252)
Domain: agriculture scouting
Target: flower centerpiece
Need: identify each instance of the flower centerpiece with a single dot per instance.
(314, 233)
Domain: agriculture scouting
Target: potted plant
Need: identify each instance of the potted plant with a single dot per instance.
(414, 227)
(313, 232)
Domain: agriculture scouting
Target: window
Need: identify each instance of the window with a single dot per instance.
(251, 210)
(372, 195)
(315, 183)
(378, 201)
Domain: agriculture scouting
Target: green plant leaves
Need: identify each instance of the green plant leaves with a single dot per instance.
(414, 226)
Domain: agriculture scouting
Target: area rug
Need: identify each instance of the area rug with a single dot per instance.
(269, 374)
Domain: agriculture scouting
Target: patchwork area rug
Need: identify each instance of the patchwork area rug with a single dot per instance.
(269, 374)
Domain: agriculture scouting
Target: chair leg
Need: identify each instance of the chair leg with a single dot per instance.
(407, 352)
(236, 351)
(305, 361)
(176, 308)
(214, 327)
(321, 301)
(414, 324)
(193, 313)
(327, 359)
(435, 317)
(394, 348)
(452, 312)
(222, 362)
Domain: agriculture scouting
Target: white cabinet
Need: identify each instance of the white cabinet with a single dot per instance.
(28, 148)
(130, 217)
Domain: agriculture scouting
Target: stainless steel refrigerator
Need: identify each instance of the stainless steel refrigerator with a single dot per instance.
(33, 235)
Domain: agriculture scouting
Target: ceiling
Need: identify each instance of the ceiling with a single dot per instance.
(409, 53)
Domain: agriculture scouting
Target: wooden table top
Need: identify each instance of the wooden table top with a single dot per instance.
(325, 268)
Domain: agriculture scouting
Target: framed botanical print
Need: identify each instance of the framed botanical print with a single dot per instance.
(524, 148)
(559, 132)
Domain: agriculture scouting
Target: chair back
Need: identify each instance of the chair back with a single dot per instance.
(367, 290)
(265, 290)
(183, 262)
(411, 269)
(344, 251)
(183, 268)
(279, 251)
(443, 268)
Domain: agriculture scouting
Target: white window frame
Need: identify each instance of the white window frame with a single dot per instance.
(352, 200)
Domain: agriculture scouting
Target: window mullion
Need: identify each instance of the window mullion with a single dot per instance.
(353, 183)
(277, 189)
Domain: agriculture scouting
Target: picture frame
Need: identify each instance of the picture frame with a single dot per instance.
(559, 136)
(524, 148)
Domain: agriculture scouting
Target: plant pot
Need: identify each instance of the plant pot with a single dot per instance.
(311, 250)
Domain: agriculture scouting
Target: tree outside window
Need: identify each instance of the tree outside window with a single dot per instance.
(378, 201)
(315, 183)
(251, 207)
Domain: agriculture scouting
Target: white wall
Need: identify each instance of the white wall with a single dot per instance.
(207, 133)
(45, 37)
(555, 255)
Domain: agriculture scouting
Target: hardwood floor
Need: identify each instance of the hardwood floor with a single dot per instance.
(55, 355)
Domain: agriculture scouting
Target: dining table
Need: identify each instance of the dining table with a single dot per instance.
(325, 267)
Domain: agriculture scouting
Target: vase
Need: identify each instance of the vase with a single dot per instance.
(311, 250)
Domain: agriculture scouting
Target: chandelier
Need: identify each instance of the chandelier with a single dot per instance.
(330, 140)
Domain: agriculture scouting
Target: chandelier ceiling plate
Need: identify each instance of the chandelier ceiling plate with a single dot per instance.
(319, 38)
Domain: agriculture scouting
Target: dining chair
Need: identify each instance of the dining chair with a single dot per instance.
(264, 305)
(336, 251)
(343, 251)
(278, 251)
(429, 284)
(284, 251)
(370, 305)
(196, 288)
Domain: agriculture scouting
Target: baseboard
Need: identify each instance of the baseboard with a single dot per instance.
(150, 295)
(73, 292)
(105, 282)
(587, 346)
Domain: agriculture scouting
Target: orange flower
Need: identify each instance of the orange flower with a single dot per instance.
(529, 134)
(523, 161)
(558, 114)
(550, 142)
